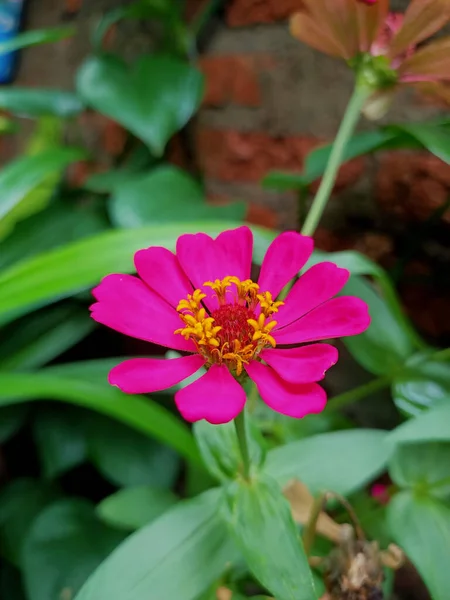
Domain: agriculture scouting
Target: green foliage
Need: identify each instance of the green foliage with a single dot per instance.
(261, 523)
(40, 102)
(36, 38)
(177, 556)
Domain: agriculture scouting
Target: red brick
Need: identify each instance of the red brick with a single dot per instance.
(246, 157)
(114, 137)
(255, 215)
(412, 186)
(241, 13)
(233, 79)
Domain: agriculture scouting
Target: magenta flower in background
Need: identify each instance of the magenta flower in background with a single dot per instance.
(201, 301)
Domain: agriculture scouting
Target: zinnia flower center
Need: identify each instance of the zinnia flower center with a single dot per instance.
(237, 330)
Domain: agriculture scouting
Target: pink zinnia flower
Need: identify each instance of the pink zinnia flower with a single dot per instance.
(202, 301)
(351, 28)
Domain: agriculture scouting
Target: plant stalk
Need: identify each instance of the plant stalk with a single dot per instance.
(349, 122)
(239, 423)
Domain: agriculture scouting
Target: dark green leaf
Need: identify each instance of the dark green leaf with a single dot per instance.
(77, 266)
(129, 458)
(177, 556)
(134, 507)
(165, 194)
(261, 523)
(20, 503)
(153, 99)
(136, 411)
(63, 547)
(424, 467)
(220, 450)
(60, 440)
(41, 337)
(20, 177)
(421, 527)
(430, 426)
(33, 102)
(423, 383)
(11, 420)
(435, 139)
(35, 38)
(11, 587)
(385, 346)
(340, 461)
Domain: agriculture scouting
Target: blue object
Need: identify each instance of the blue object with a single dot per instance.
(10, 22)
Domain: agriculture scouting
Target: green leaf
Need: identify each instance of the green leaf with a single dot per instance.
(261, 523)
(134, 507)
(165, 194)
(63, 547)
(356, 263)
(424, 467)
(385, 345)
(20, 502)
(177, 556)
(220, 450)
(77, 266)
(60, 440)
(153, 98)
(11, 420)
(41, 337)
(11, 587)
(435, 139)
(34, 102)
(430, 426)
(136, 411)
(23, 175)
(128, 458)
(340, 461)
(422, 384)
(421, 527)
(35, 38)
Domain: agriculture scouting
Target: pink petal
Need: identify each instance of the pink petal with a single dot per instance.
(294, 400)
(161, 271)
(238, 247)
(284, 258)
(423, 18)
(370, 20)
(216, 397)
(304, 364)
(127, 305)
(338, 317)
(318, 284)
(144, 375)
(308, 31)
(430, 63)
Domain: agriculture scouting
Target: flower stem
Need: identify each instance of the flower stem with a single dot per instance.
(239, 423)
(359, 393)
(346, 129)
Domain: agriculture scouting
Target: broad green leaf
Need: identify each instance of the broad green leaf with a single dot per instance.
(340, 461)
(260, 521)
(55, 226)
(220, 449)
(165, 194)
(35, 340)
(35, 38)
(134, 507)
(77, 266)
(430, 426)
(423, 467)
(20, 503)
(421, 527)
(35, 102)
(153, 98)
(129, 458)
(385, 345)
(422, 384)
(11, 420)
(20, 177)
(60, 440)
(136, 411)
(435, 139)
(177, 556)
(63, 547)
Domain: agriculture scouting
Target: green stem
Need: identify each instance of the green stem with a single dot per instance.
(239, 423)
(204, 15)
(346, 129)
